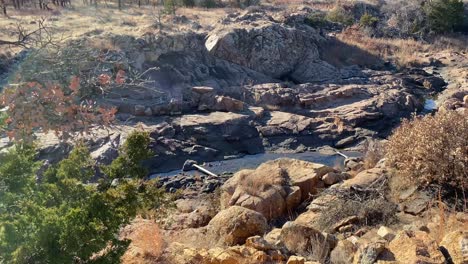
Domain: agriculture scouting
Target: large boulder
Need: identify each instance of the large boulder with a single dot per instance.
(235, 224)
(272, 48)
(365, 178)
(275, 187)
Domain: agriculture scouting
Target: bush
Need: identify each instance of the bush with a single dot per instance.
(188, 3)
(208, 3)
(444, 15)
(406, 18)
(339, 15)
(368, 20)
(170, 6)
(316, 20)
(371, 211)
(432, 149)
(62, 218)
(129, 163)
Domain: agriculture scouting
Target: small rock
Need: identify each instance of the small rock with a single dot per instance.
(369, 253)
(353, 239)
(353, 164)
(417, 204)
(331, 178)
(259, 243)
(364, 179)
(139, 110)
(273, 236)
(386, 233)
(346, 228)
(343, 252)
(188, 165)
(148, 112)
(346, 221)
(296, 260)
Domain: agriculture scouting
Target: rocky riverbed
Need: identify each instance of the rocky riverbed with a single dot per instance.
(258, 81)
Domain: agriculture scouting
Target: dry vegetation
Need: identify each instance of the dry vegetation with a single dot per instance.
(255, 183)
(404, 52)
(71, 23)
(373, 210)
(432, 149)
(147, 243)
(374, 151)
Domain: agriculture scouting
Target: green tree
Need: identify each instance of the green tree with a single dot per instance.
(170, 6)
(133, 152)
(60, 217)
(444, 15)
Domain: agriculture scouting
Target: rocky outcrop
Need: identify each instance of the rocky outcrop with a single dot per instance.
(271, 48)
(415, 247)
(275, 187)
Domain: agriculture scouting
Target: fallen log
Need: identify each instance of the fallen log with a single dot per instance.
(207, 172)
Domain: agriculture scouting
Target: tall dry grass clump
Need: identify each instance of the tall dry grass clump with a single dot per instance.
(432, 149)
(404, 52)
(260, 181)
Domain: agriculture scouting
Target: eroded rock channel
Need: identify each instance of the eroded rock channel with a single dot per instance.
(257, 82)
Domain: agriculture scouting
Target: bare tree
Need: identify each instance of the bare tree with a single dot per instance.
(41, 36)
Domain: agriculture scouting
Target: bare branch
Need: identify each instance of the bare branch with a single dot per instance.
(30, 38)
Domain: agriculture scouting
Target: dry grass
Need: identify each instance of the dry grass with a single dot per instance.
(314, 248)
(458, 43)
(404, 52)
(255, 182)
(371, 211)
(70, 23)
(446, 219)
(147, 242)
(374, 151)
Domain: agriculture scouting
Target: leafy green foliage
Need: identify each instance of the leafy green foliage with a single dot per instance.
(368, 20)
(170, 6)
(59, 217)
(3, 119)
(134, 151)
(339, 15)
(444, 15)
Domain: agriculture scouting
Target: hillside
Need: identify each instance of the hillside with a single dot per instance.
(296, 109)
